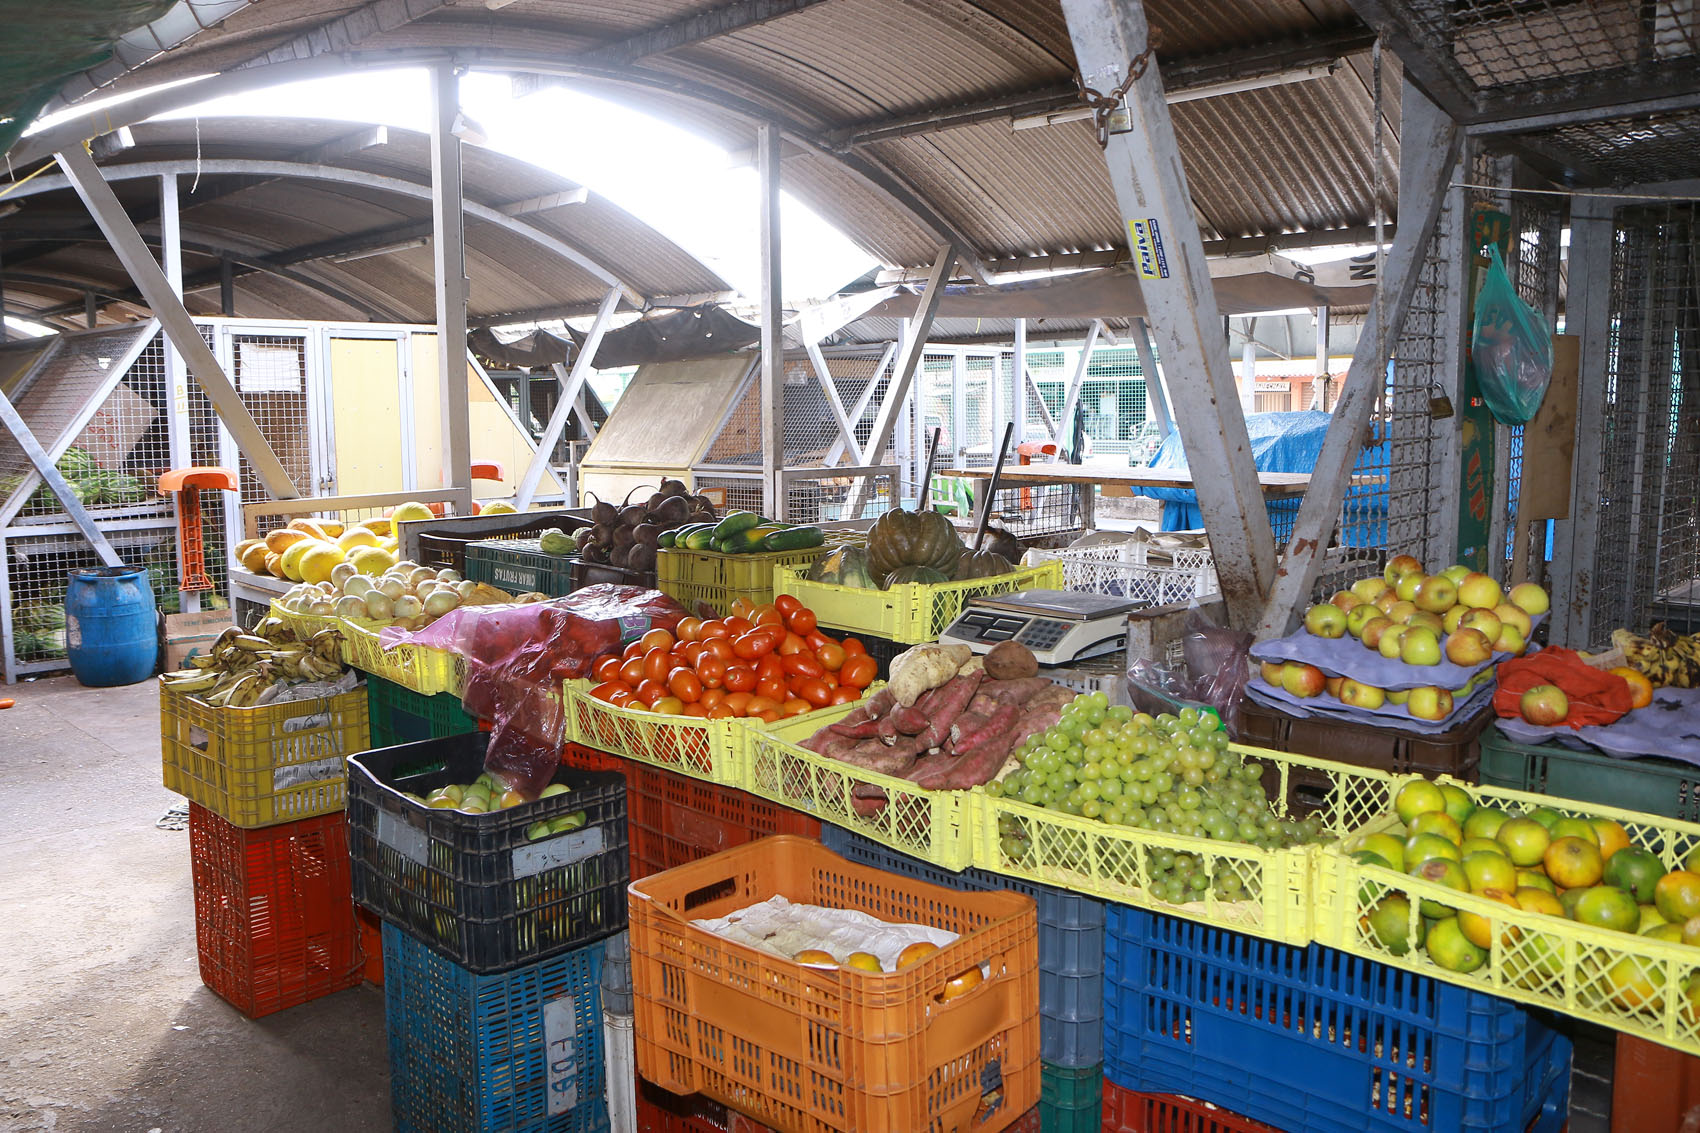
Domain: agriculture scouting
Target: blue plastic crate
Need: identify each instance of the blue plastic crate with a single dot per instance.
(518, 1051)
(1311, 1040)
(1071, 945)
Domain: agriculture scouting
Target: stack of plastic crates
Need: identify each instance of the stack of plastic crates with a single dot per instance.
(268, 843)
(1129, 570)
(1307, 1039)
(494, 933)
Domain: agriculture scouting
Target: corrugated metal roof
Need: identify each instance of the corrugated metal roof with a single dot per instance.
(53, 252)
(1265, 162)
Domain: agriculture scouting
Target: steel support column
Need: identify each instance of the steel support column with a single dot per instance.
(823, 374)
(1071, 400)
(180, 329)
(1018, 382)
(772, 321)
(860, 409)
(1156, 207)
(448, 243)
(568, 399)
(1431, 139)
(1156, 396)
(176, 375)
(915, 334)
(1319, 388)
(55, 480)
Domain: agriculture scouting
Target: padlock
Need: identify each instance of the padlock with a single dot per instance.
(1439, 405)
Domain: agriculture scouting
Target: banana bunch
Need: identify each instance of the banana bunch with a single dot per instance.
(240, 667)
(1661, 656)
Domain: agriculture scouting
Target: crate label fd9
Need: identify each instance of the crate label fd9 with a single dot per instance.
(560, 1048)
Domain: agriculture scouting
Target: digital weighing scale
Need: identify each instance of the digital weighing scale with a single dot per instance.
(1059, 626)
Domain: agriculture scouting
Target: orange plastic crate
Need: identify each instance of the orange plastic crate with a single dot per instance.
(661, 1112)
(820, 1050)
(274, 911)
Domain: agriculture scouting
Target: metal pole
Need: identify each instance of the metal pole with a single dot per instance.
(1155, 397)
(1248, 369)
(448, 243)
(91, 309)
(1018, 383)
(823, 374)
(226, 288)
(1319, 389)
(914, 343)
(571, 388)
(772, 317)
(1432, 140)
(174, 318)
(1174, 278)
(1071, 401)
(958, 409)
(176, 375)
(73, 504)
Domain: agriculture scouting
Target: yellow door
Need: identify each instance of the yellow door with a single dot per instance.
(367, 415)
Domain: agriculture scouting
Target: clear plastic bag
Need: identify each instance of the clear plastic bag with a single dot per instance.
(1217, 667)
(1511, 348)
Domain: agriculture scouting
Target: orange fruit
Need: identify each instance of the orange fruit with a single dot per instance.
(1478, 929)
(1574, 863)
(962, 983)
(814, 956)
(863, 961)
(1677, 895)
(1640, 688)
(916, 952)
(1607, 907)
(1612, 836)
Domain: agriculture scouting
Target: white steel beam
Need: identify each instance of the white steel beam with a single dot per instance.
(1071, 400)
(176, 376)
(1156, 207)
(179, 328)
(448, 242)
(1319, 387)
(1156, 397)
(45, 468)
(1431, 138)
(1045, 417)
(571, 397)
(1018, 383)
(772, 326)
(897, 390)
(823, 373)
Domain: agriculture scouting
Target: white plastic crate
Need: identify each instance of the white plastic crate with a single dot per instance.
(1125, 570)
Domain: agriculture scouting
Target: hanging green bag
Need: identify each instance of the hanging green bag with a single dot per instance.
(1511, 348)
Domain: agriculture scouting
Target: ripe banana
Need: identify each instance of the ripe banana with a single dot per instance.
(1661, 656)
(240, 670)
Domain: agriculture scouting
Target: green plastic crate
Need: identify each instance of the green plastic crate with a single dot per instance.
(1652, 786)
(1071, 1099)
(401, 716)
(519, 566)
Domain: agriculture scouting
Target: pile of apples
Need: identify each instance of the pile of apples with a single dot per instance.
(1417, 618)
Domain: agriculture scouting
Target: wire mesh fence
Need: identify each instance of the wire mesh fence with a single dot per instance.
(38, 571)
(1647, 553)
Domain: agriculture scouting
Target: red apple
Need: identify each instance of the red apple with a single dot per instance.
(1303, 680)
(1360, 695)
(1271, 671)
(1373, 629)
(1429, 703)
(1484, 620)
(1409, 584)
(1544, 705)
(1346, 600)
(1369, 589)
(1468, 647)
(1361, 616)
(1512, 614)
(1333, 685)
(1399, 566)
(1480, 591)
(1436, 595)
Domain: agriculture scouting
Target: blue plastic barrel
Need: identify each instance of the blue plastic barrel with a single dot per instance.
(110, 634)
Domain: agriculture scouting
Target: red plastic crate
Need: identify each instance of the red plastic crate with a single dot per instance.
(371, 946)
(673, 819)
(591, 759)
(1653, 1087)
(661, 1112)
(1127, 1111)
(274, 911)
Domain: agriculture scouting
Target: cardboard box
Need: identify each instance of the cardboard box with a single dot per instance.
(190, 635)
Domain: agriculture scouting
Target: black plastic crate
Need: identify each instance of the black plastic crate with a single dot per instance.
(473, 887)
(519, 566)
(439, 549)
(1071, 945)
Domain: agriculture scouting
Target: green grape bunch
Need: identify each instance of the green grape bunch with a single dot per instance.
(1173, 773)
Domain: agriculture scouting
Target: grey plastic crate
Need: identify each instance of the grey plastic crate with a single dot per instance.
(1071, 945)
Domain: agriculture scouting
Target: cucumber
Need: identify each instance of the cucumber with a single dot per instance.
(736, 522)
(747, 541)
(665, 539)
(793, 539)
(698, 540)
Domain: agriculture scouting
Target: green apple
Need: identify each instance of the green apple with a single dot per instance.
(1419, 646)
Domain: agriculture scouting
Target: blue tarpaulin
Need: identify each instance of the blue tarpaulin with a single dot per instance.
(1288, 442)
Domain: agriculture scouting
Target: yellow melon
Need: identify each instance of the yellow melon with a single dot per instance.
(357, 537)
(377, 525)
(283, 538)
(310, 526)
(292, 558)
(318, 561)
(498, 507)
(371, 560)
(274, 564)
(253, 559)
(410, 512)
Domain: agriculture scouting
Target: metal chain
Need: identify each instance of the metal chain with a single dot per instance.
(1103, 104)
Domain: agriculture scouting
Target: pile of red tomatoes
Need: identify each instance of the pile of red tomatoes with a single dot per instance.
(765, 662)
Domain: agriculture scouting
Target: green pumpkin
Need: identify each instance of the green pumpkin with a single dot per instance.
(981, 564)
(846, 566)
(914, 573)
(913, 538)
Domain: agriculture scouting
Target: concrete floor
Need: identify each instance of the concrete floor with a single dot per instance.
(104, 1024)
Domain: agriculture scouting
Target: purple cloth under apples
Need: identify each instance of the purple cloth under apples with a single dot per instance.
(1347, 657)
(1669, 727)
(1387, 716)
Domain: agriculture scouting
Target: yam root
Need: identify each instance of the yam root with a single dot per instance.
(946, 705)
(867, 800)
(1011, 660)
(924, 667)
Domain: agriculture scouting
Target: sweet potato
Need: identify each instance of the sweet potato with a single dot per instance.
(1011, 660)
(1018, 691)
(924, 667)
(867, 800)
(946, 705)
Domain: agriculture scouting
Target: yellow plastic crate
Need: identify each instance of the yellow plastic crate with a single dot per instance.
(265, 765)
(690, 577)
(1113, 862)
(910, 613)
(424, 670)
(1546, 961)
(305, 625)
(712, 750)
(935, 826)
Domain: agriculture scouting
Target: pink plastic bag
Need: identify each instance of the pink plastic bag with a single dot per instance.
(517, 657)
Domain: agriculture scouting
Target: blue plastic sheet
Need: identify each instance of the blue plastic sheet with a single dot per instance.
(1289, 442)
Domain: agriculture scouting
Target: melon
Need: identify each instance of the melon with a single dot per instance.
(318, 560)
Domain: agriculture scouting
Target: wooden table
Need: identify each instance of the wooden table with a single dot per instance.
(1276, 485)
